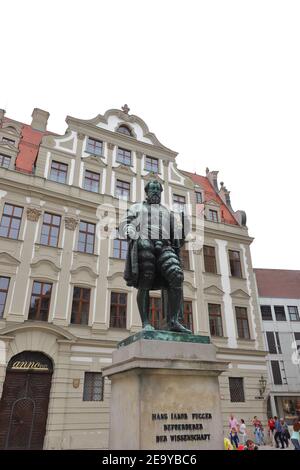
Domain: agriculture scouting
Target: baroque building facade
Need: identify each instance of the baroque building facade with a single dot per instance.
(64, 305)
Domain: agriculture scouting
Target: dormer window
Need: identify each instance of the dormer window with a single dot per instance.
(199, 198)
(213, 215)
(124, 130)
(6, 140)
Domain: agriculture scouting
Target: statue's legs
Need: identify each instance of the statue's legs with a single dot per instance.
(143, 301)
(147, 262)
(171, 270)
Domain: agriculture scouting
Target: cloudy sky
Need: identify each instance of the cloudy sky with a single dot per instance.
(217, 81)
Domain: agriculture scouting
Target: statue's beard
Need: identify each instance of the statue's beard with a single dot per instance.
(153, 198)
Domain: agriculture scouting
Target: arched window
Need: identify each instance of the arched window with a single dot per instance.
(124, 130)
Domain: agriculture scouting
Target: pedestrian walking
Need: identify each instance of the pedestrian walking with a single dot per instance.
(278, 433)
(242, 432)
(295, 437)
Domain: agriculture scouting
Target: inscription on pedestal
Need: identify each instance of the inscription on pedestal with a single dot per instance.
(181, 427)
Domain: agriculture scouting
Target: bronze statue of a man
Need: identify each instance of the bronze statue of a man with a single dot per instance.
(153, 259)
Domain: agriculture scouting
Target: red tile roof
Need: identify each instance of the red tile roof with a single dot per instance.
(278, 283)
(211, 195)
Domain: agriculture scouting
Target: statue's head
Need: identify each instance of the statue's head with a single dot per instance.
(153, 189)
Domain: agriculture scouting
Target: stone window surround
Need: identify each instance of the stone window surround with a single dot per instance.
(4, 201)
(176, 191)
(213, 207)
(119, 290)
(216, 299)
(53, 299)
(231, 247)
(96, 240)
(82, 285)
(245, 304)
(9, 153)
(12, 279)
(93, 169)
(61, 159)
(211, 244)
(114, 162)
(145, 155)
(119, 175)
(61, 229)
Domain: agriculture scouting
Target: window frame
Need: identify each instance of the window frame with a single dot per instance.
(233, 262)
(90, 141)
(240, 319)
(120, 242)
(52, 227)
(122, 158)
(150, 168)
(270, 311)
(80, 301)
(86, 233)
(215, 317)
(3, 156)
(41, 297)
(118, 320)
(11, 218)
(90, 395)
(59, 171)
(122, 196)
(178, 205)
(242, 388)
(156, 312)
(91, 180)
(296, 313)
(208, 257)
(5, 291)
(213, 215)
(277, 314)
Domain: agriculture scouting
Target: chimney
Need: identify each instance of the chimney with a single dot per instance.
(39, 119)
(213, 178)
(2, 113)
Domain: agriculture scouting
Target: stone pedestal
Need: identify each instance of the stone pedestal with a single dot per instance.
(165, 393)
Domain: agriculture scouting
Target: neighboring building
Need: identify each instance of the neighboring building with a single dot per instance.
(279, 297)
(63, 302)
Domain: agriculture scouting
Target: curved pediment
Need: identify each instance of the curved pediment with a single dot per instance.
(213, 290)
(124, 169)
(14, 129)
(84, 269)
(45, 262)
(95, 160)
(115, 275)
(41, 326)
(240, 294)
(7, 146)
(113, 118)
(8, 260)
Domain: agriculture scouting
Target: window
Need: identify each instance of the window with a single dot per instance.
(11, 221)
(236, 388)
(235, 263)
(152, 164)
(297, 339)
(178, 203)
(185, 259)
(80, 306)
(4, 285)
(242, 322)
(93, 386)
(91, 181)
(293, 313)
(199, 199)
(271, 342)
(210, 264)
(279, 313)
(124, 156)
(120, 248)
(5, 161)
(40, 301)
(118, 307)
(50, 229)
(86, 237)
(58, 172)
(124, 130)
(94, 146)
(215, 319)
(276, 373)
(278, 342)
(213, 215)
(123, 189)
(187, 319)
(155, 313)
(266, 312)
(6, 140)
